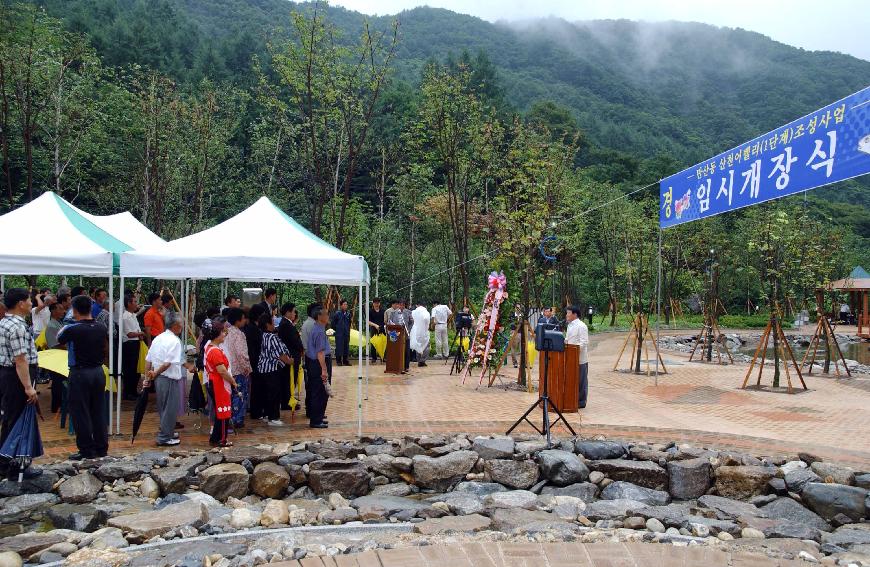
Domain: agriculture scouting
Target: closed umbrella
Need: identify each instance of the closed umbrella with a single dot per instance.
(139, 412)
(24, 443)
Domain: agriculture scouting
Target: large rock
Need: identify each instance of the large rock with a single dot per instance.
(17, 508)
(255, 455)
(641, 473)
(511, 499)
(442, 473)
(386, 506)
(600, 450)
(78, 517)
(105, 538)
(311, 508)
(714, 526)
(832, 472)
(79, 489)
(170, 479)
(743, 482)
(126, 469)
(728, 509)
(514, 474)
(862, 480)
(348, 477)
(42, 483)
(585, 491)
(562, 468)
(382, 464)
(298, 458)
(225, 480)
(613, 509)
(190, 464)
(510, 519)
(10, 559)
(847, 537)
(480, 489)
(29, 543)
(453, 524)
(689, 479)
(788, 509)
(796, 479)
(270, 480)
(494, 448)
(461, 503)
(146, 525)
(672, 515)
(620, 490)
(779, 528)
(828, 500)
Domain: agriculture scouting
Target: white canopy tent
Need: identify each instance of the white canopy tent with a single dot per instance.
(261, 243)
(49, 236)
(125, 227)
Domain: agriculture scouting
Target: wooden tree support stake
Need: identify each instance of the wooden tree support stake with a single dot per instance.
(824, 331)
(786, 355)
(639, 334)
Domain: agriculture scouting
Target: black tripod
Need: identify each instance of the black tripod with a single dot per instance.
(459, 357)
(544, 401)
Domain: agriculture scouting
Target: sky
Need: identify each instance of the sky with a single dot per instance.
(831, 25)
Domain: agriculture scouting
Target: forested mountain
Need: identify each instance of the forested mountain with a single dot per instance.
(201, 104)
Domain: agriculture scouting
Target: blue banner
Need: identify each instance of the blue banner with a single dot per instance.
(823, 147)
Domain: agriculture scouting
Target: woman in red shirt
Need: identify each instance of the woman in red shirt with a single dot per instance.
(222, 382)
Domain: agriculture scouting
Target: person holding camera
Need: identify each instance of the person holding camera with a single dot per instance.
(440, 315)
(578, 334)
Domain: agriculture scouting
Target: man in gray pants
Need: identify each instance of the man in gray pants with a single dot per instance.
(165, 367)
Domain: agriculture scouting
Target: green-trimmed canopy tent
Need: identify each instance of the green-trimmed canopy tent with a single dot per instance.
(260, 244)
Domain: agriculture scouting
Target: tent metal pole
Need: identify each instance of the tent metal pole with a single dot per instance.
(111, 329)
(120, 359)
(359, 349)
(658, 305)
(367, 344)
(2, 283)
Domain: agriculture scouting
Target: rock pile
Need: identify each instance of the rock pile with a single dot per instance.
(442, 485)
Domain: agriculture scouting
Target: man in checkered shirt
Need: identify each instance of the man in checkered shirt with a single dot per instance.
(17, 368)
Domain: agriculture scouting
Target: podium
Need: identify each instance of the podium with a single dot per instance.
(395, 353)
(563, 379)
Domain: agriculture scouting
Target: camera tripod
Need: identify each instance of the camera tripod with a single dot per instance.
(545, 402)
(459, 357)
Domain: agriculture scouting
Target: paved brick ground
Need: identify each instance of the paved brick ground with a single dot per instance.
(547, 555)
(695, 402)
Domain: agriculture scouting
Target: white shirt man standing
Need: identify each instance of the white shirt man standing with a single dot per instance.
(578, 334)
(165, 367)
(441, 314)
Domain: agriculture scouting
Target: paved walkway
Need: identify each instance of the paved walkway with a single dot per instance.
(695, 402)
(547, 555)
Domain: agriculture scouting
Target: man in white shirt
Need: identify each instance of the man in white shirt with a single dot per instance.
(164, 366)
(132, 334)
(420, 333)
(440, 314)
(41, 314)
(578, 334)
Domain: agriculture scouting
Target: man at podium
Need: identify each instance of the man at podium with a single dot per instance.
(578, 334)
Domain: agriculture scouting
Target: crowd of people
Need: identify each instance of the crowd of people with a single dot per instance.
(247, 359)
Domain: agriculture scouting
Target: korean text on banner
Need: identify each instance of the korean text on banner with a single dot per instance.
(823, 147)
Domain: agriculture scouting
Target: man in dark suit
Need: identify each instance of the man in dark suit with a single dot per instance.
(341, 325)
(289, 335)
